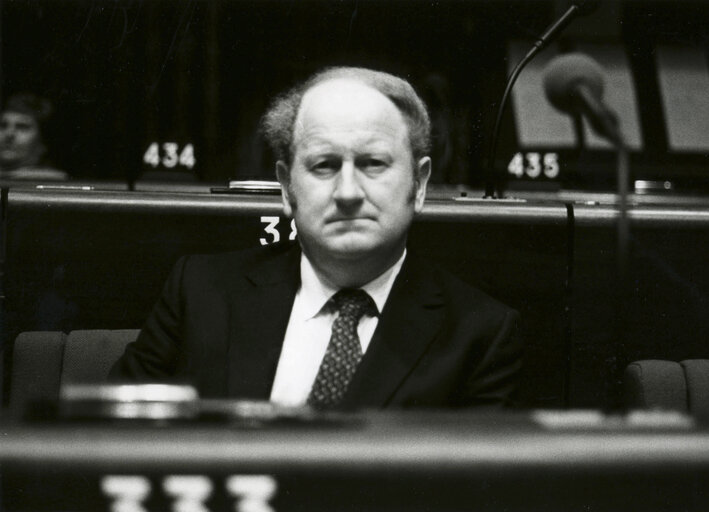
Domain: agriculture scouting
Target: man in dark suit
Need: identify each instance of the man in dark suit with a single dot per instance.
(346, 317)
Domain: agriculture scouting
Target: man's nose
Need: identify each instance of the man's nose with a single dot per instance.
(348, 189)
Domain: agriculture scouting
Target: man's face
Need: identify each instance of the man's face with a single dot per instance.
(20, 142)
(353, 187)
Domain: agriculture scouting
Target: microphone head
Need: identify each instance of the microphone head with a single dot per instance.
(563, 74)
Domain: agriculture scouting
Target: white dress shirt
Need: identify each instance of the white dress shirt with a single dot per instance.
(309, 330)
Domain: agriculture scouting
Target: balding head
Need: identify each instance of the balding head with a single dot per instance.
(278, 125)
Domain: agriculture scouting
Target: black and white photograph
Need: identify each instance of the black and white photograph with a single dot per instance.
(354, 255)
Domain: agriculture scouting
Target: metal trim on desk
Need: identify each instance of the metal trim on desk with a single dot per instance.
(463, 447)
(141, 202)
(644, 216)
(249, 204)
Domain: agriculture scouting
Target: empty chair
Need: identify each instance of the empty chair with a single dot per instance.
(43, 362)
(681, 386)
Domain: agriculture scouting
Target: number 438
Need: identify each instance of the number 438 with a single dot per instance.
(533, 165)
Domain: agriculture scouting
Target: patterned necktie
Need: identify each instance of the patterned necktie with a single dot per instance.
(344, 350)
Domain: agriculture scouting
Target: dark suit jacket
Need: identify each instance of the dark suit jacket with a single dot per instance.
(221, 320)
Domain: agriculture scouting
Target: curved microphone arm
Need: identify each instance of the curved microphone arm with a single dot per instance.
(490, 186)
(539, 45)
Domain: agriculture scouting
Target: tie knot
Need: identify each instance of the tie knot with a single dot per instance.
(354, 303)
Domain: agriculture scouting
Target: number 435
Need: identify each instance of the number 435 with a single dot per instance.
(533, 165)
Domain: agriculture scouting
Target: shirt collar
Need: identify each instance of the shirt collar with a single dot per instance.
(316, 293)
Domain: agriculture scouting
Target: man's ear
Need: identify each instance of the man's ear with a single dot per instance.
(423, 173)
(283, 176)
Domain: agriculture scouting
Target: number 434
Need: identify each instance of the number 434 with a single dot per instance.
(170, 156)
(533, 165)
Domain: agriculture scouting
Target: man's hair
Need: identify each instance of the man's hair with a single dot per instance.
(278, 124)
(30, 104)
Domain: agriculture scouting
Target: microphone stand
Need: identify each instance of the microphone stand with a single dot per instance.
(549, 35)
(607, 125)
(623, 228)
(624, 291)
(605, 122)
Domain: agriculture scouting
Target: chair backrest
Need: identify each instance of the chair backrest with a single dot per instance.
(681, 386)
(43, 362)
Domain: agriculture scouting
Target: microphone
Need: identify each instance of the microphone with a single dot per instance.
(577, 8)
(573, 83)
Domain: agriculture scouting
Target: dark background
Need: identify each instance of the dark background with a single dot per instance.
(123, 74)
(126, 74)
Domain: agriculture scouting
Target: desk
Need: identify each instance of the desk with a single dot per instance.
(374, 461)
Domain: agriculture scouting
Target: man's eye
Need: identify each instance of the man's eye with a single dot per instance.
(325, 165)
(374, 163)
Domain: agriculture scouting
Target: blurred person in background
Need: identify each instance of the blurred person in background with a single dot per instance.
(23, 143)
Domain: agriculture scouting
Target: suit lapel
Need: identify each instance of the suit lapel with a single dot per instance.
(259, 318)
(409, 322)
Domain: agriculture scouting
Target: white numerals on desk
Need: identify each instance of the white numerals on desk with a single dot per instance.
(534, 165)
(189, 493)
(127, 493)
(271, 230)
(169, 155)
(252, 492)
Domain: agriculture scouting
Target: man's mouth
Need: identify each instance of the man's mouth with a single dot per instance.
(347, 220)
